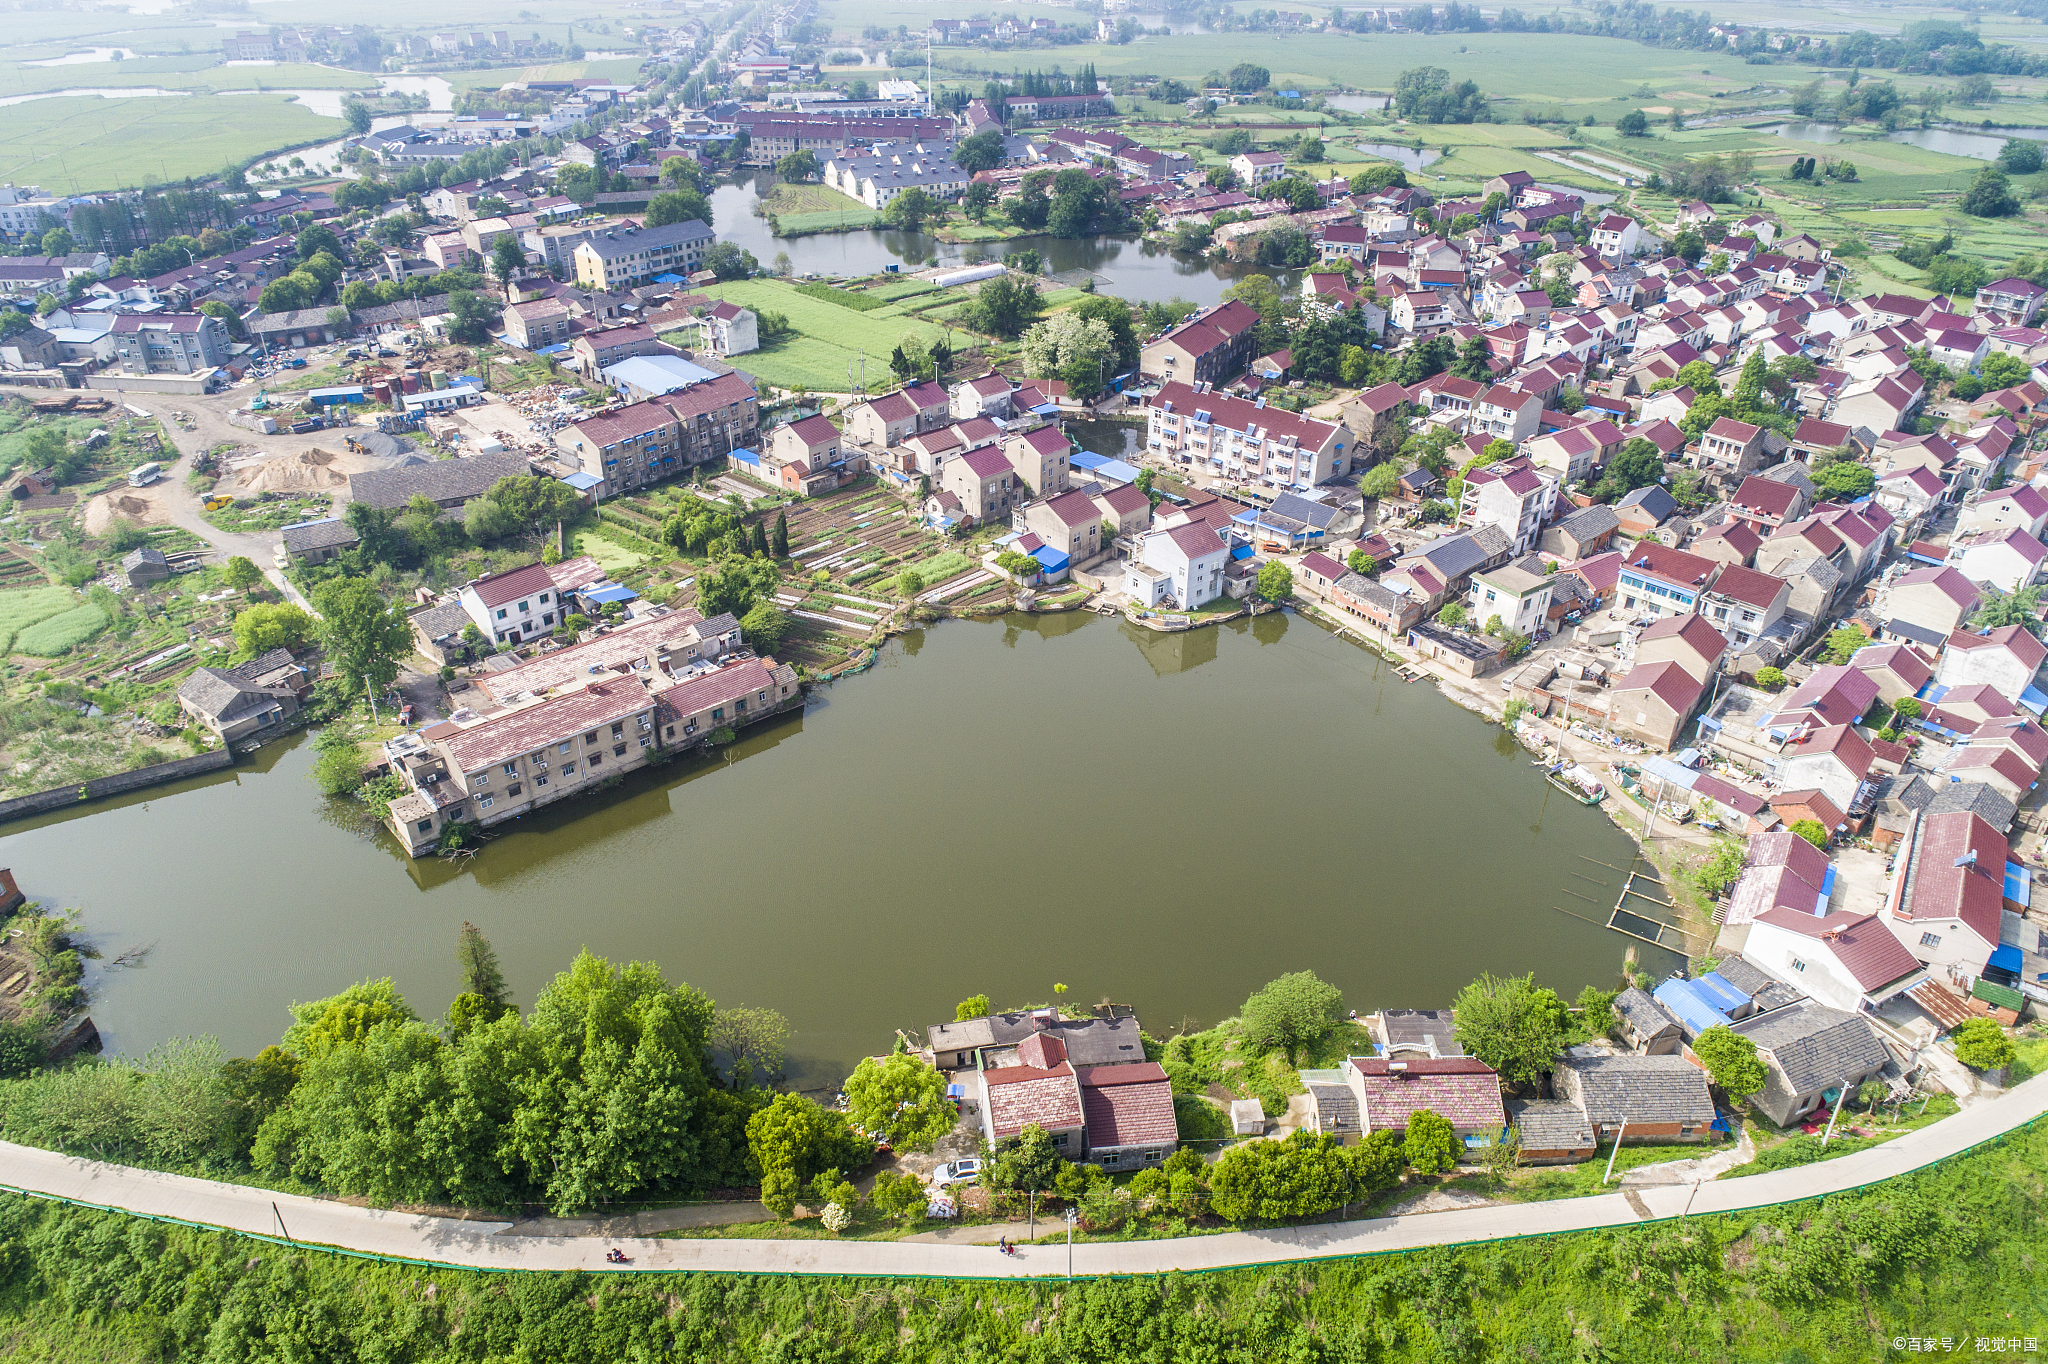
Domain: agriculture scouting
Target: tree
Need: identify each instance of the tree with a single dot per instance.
(1474, 360)
(1634, 123)
(909, 209)
(506, 257)
(752, 1039)
(1292, 1012)
(902, 1099)
(241, 573)
(1431, 1145)
(1843, 643)
(974, 1006)
(1275, 581)
(1030, 1164)
(1246, 78)
(793, 1140)
(1989, 195)
(1004, 307)
(764, 627)
(909, 583)
(1596, 1010)
(900, 1196)
(365, 635)
(1311, 152)
(679, 206)
(481, 975)
(778, 542)
(1512, 1024)
(1813, 831)
(1381, 481)
(1638, 465)
(1769, 678)
(1730, 1058)
(1305, 1175)
(1982, 1045)
(1452, 615)
(728, 261)
(474, 316)
(280, 625)
(1845, 479)
(983, 151)
(358, 115)
(486, 522)
(1361, 563)
(798, 167)
(1066, 341)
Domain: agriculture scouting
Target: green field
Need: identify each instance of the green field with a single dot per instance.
(61, 632)
(78, 144)
(23, 609)
(1551, 67)
(200, 72)
(492, 78)
(828, 337)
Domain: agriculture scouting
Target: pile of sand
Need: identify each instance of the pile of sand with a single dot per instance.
(306, 471)
(101, 512)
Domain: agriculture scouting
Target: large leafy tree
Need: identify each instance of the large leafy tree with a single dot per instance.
(1732, 1060)
(1513, 1024)
(1431, 1144)
(1004, 307)
(901, 1098)
(267, 626)
(1292, 1012)
(752, 1039)
(1305, 1175)
(793, 1141)
(364, 634)
(534, 503)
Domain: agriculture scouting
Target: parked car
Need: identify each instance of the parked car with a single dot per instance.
(964, 1171)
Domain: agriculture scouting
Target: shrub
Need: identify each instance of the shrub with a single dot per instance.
(1982, 1045)
(1770, 679)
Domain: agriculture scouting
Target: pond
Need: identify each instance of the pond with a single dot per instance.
(1142, 271)
(119, 92)
(91, 54)
(1166, 821)
(1950, 141)
(1408, 158)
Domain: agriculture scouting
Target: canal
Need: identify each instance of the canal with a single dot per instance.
(1166, 821)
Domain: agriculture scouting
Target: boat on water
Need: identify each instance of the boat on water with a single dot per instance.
(1577, 782)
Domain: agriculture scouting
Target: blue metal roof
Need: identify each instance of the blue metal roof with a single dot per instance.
(670, 279)
(1725, 996)
(1241, 552)
(2019, 883)
(611, 592)
(2006, 957)
(1688, 1005)
(580, 481)
(1053, 560)
(1673, 773)
(2035, 700)
(746, 456)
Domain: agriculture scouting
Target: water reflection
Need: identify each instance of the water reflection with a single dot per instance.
(1126, 266)
(1407, 157)
(1115, 439)
(1179, 652)
(1948, 141)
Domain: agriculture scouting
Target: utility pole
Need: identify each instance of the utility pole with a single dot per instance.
(1072, 1217)
(1615, 1152)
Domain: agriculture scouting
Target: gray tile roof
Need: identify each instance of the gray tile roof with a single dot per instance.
(329, 532)
(1743, 974)
(1817, 1047)
(1336, 1108)
(442, 480)
(1643, 1014)
(1455, 556)
(1792, 472)
(1653, 500)
(1295, 507)
(1550, 1125)
(1985, 802)
(1640, 1089)
(442, 620)
(137, 558)
(224, 696)
(262, 664)
(1366, 590)
(1588, 522)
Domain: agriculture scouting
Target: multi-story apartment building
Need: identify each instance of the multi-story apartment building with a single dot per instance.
(626, 256)
(543, 322)
(985, 484)
(1658, 581)
(1514, 496)
(169, 343)
(1210, 348)
(645, 442)
(1240, 439)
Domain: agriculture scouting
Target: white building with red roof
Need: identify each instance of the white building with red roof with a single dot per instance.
(1847, 961)
(1656, 700)
(1039, 1091)
(513, 607)
(1934, 600)
(2010, 560)
(1212, 436)
(2006, 659)
(1182, 564)
(1947, 893)
(1834, 761)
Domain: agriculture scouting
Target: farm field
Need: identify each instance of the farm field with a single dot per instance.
(497, 77)
(199, 71)
(80, 143)
(1547, 67)
(828, 337)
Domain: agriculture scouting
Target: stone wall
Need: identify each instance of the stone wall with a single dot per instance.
(62, 797)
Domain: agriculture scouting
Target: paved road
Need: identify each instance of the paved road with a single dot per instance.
(489, 1245)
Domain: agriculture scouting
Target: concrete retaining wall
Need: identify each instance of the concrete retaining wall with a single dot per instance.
(190, 385)
(63, 797)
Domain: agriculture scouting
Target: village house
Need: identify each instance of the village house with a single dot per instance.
(232, 705)
(1070, 524)
(1581, 535)
(1240, 439)
(885, 421)
(984, 484)
(1181, 564)
(1846, 961)
(1947, 893)
(1937, 600)
(1810, 1050)
(1517, 595)
(1211, 348)
(806, 457)
(1511, 496)
(1463, 1090)
(1628, 1098)
(2006, 659)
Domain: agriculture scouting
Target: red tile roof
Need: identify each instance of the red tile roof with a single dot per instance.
(1196, 539)
(1323, 565)
(1465, 1090)
(1129, 1105)
(987, 462)
(531, 727)
(1748, 586)
(1022, 1095)
(1939, 889)
(1865, 948)
(495, 589)
(1765, 496)
(1667, 681)
(815, 430)
(748, 678)
(1125, 499)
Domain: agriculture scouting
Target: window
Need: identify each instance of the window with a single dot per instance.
(619, 730)
(541, 780)
(568, 769)
(486, 803)
(480, 779)
(1930, 939)
(1798, 965)
(512, 769)
(501, 613)
(591, 737)
(512, 790)
(543, 599)
(595, 759)
(566, 746)
(426, 826)
(1060, 1140)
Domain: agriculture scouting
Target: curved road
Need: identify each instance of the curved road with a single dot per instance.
(486, 1245)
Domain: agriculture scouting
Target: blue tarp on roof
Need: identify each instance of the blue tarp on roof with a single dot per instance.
(670, 279)
(750, 458)
(2035, 700)
(2019, 883)
(559, 348)
(1241, 552)
(1672, 773)
(1724, 995)
(1688, 1005)
(2006, 957)
(1827, 887)
(611, 592)
(581, 481)
(1053, 560)
(1937, 561)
